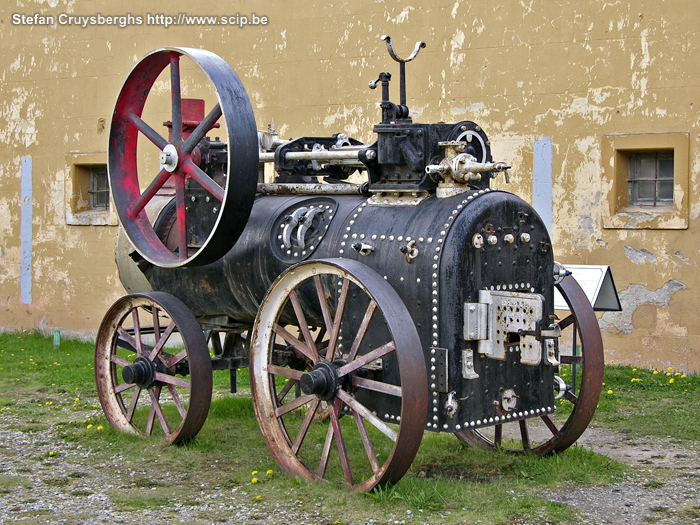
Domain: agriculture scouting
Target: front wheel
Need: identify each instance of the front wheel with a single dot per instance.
(338, 375)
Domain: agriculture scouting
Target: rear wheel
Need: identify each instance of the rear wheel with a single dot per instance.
(152, 367)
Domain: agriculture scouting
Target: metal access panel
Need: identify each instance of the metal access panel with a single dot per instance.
(511, 318)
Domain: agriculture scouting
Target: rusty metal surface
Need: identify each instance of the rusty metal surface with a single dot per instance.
(583, 321)
(334, 378)
(145, 384)
(181, 158)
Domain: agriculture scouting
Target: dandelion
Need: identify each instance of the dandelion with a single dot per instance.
(655, 372)
(677, 374)
(669, 374)
(671, 380)
(254, 480)
(269, 472)
(52, 453)
(634, 370)
(100, 427)
(89, 426)
(610, 391)
(635, 380)
(683, 376)
(257, 498)
(76, 399)
(670, 368)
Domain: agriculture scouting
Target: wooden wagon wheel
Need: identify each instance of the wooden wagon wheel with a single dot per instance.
(579, 328)
(152, 367)
(332, 337)
(180, 158)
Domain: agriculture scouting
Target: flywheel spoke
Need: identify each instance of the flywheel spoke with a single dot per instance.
(175, 90)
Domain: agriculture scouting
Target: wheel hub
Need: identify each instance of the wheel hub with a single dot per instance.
(168, 158)
(142, 372)
(322, 381)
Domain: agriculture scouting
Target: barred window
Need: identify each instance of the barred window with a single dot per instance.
(99, 189)
(651, 179)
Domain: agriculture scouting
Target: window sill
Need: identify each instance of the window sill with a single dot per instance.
(638, 218)
(91, 218)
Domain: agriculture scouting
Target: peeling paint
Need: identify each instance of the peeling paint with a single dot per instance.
(634, 297)
(639, 256)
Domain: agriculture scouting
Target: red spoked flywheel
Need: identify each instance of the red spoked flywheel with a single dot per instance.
(133, 185)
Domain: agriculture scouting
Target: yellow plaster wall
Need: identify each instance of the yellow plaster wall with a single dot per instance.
(523, 70)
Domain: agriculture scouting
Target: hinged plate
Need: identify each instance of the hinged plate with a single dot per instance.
(509, 313)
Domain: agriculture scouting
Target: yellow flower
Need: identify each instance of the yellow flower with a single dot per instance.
(254, 480)
(52, 453)
(269, 472)
(257, 498)
(610, 391)
(100, 427)
(76, 399)
(634, 370)
(655, 372)
(89, 426)
(671, 380)
(668, 373)
(254, 473)
(677, 374)
(669, 368)
(683, 376)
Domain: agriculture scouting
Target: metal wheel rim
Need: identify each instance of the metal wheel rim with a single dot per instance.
(584, 320)
(191, 396)
(238, 193)
(286, 451)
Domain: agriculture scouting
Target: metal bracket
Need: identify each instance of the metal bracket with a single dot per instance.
(468, 371)
(438, 369)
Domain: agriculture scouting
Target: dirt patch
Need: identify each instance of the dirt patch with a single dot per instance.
(665, 488)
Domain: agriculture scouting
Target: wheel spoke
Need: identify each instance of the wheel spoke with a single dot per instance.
(120, 361)
(204, 180)
(181, 207)
(550, 424)
(376, 386)
(156, 324)
(285, 390)
(143, 199)
(498, 435)
(524, 435)
(177, 401)
(323, 464)
(340, 309)
(172, 380)
(305, 425)
(366, 442)
(303, 326)
(323, 301)
(366, 359)
(175, 91)
(289, 373)
(155, 407)
(127, 337)
(298, 345)
(202, 129)
(137, 331)
(368, 415)
(293, 405)
(571, 397)
(162, 341)
(132, 405)
(175, 359)
(571, 359)
(340, 442)
(362, 330)
(123, 387)
(151, 134)
(567, 321)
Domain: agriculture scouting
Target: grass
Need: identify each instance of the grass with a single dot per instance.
(449, 482)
